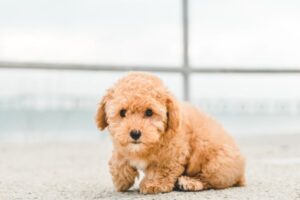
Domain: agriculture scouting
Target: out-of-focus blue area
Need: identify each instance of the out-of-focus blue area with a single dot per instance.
(37, 105)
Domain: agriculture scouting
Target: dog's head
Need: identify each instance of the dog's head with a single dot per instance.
(139, 112)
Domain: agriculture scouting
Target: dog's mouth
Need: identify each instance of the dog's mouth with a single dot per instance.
(136, 142)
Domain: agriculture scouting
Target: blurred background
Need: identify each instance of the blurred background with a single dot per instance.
(238, 60)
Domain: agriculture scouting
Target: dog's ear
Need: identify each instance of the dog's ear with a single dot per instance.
(173, 113)
(101, 119)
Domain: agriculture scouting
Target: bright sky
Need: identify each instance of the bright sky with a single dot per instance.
(241, 33)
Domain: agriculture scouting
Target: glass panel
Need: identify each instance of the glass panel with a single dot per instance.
(55, 104)
(257, 33)
(129, 32)
(250, 104)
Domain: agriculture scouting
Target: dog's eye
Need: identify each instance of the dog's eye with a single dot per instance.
(122, 112)
(149, 112)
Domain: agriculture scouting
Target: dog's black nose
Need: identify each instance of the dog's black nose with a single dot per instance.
(135, 134)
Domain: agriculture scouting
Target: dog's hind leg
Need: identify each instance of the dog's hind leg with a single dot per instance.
(241, 182)
(186, 183)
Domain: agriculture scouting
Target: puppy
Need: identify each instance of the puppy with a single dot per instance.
(174, 144)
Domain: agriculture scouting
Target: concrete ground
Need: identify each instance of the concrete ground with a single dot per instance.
(78, 170)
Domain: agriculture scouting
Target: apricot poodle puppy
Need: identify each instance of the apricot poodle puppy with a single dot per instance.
(174, 144)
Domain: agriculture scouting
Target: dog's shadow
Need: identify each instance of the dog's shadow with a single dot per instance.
(135, 194)
(110, 194)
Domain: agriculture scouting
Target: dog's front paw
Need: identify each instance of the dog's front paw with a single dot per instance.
(154, 187)
(122, 186)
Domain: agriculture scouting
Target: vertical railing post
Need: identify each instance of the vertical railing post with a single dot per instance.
(185, 57)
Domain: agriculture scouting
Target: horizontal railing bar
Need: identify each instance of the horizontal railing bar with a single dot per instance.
(245, 70)
(87, 67)
(150, 68)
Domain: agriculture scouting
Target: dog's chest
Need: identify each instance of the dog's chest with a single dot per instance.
(138, 164)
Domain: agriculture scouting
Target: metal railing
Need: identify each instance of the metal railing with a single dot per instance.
(185, 69)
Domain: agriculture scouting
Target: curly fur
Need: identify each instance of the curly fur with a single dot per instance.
(180, 147)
